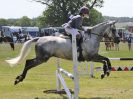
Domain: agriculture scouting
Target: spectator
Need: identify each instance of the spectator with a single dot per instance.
(117, 41)
(129, 40)
(0, 34)
(46, 33)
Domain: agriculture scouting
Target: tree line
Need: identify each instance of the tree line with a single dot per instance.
(119, 19)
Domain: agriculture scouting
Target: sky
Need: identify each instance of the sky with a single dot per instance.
(19, 8)
(117, 8)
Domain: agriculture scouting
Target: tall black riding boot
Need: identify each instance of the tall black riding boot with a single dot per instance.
(79, 49)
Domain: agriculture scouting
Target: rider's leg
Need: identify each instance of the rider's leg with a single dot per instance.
(72, 31)
(75, 32)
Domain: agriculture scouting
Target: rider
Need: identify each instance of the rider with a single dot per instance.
(74, 26)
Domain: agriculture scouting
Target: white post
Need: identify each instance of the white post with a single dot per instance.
(58, 83)
(75, 67)
(91, 69)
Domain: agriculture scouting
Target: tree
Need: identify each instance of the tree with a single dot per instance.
(24, 21)
(41, 22)
(95, 17)
(3, 22)
(57, 11)
(34, 22)
(12, 21)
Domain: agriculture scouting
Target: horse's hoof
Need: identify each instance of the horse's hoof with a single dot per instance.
(18, 79)
(102, 76)
(16, 82)
(108, 73)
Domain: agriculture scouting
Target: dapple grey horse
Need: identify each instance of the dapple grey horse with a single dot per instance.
(51, 46)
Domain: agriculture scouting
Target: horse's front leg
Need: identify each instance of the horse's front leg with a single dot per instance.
(106, 67)
(109, 67)
(28, 65)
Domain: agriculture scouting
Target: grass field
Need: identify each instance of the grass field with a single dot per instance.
(119, 85)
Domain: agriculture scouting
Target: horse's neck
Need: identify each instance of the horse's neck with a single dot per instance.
(93, 40)
(98, 26)
(96, 36)
(100, 30)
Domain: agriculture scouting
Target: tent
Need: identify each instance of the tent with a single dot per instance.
(32, 31)
(9, 30)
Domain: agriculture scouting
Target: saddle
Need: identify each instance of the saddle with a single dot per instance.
(65, 36)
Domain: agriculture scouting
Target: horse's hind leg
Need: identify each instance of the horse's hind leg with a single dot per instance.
(106, 64)
(28, 65)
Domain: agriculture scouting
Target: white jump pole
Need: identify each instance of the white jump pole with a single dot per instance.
(66, 73)
(122, 59)
(75, 67)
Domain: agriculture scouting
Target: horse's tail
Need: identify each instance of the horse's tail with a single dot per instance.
(24, 52)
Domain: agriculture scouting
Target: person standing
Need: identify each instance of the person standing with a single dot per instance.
(129, 40)
(116, 42)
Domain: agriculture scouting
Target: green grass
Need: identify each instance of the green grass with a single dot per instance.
(119, 85)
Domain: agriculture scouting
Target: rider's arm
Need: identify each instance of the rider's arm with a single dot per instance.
(78, 23)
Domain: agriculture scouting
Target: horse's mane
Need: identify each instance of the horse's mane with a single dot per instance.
(93, 27)
(98, 25)
(64, 36)
(106, 22)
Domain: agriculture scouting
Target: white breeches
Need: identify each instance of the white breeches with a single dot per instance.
(71, 31)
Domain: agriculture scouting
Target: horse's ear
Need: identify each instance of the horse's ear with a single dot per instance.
(112, 22)
(115, 21)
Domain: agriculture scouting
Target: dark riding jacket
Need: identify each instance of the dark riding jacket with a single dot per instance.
(76, 22)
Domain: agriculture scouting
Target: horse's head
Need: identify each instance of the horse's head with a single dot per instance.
(104, 29)
(110, 31)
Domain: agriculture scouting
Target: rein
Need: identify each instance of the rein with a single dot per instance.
(89, 33)
(96, 34)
